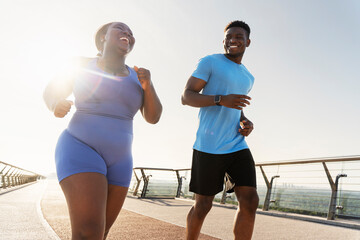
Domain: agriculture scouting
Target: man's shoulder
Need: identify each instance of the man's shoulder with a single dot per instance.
(209, 59)
(214, 56)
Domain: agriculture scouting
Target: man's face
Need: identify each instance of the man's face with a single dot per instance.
(235, 41)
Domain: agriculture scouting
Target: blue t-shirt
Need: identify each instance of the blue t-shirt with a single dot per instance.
(219, 125)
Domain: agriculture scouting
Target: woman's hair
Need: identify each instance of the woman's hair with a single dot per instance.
(101, 32)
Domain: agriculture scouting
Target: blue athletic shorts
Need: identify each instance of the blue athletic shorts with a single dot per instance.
(74, 156)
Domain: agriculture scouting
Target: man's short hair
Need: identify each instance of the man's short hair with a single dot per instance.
(238, 23)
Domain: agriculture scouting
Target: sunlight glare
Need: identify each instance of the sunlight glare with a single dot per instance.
(48, 57)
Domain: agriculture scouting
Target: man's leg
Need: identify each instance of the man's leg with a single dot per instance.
(245, 216)
(197, 214)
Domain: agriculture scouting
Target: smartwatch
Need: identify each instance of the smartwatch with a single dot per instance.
(217, 100)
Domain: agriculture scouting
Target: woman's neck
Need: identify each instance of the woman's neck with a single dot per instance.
(114, 65)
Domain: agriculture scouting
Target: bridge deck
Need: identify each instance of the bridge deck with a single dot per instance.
(21, 218)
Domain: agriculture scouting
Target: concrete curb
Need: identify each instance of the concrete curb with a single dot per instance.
(50, 231)
(314, 219)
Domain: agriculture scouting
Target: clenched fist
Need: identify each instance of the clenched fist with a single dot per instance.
(144, 77)
(246, 127)
(62, 108)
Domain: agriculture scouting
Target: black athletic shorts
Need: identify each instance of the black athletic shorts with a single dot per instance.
(208, 171)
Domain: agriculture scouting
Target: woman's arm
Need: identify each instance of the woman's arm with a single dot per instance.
(55, 95)
(151, 108)
(61, 87)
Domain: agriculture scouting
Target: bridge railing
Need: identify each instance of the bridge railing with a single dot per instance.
(159, 182)
(324, 187)
(328, 187)
(11, 176)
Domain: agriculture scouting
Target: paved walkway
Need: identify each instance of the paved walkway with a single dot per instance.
(20, 214)
(219, 222)
(128, 226)
(144, 219)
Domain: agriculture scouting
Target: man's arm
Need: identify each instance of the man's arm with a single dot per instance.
(192, 96)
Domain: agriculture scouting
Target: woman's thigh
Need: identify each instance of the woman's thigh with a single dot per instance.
(115, 201)
(86, 196)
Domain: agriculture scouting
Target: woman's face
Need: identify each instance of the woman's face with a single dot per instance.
(119, 37)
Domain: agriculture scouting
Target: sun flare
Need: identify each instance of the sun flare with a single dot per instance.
(48, 58)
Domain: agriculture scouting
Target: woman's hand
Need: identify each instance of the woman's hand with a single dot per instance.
(62, 108)
(144, 77)
(151, 108)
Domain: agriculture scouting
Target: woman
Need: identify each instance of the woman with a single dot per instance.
(93, 155)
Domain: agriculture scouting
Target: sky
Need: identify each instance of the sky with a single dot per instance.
(304, 56)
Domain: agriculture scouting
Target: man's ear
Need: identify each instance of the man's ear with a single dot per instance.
(248, 42)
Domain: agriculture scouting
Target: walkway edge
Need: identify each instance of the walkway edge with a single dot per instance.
(50, 231)
(311, 219)
(292, 216)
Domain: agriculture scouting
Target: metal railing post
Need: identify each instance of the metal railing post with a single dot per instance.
(223, 196)
(334, 189)
(179, 178)
(146, 182)
(17, 178)
(138, 181)
(2, 180)
(13, 179)
(269, 188)
(7, 178)
(20, 178)
(2, 177)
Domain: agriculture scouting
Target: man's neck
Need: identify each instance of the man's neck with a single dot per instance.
(235, 59)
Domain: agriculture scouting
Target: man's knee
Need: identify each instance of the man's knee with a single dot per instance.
(202, 207)
(250, 202)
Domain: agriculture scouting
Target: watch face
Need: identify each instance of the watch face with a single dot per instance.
(217, 99)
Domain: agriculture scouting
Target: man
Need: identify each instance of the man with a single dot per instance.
(220, 146)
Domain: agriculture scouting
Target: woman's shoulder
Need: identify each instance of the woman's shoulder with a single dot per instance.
(82, 61)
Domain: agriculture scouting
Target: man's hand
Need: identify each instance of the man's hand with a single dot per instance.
(235, 101)
(144, 77)
(246, 127)
(62, 108)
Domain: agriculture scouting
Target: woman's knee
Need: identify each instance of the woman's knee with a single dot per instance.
(89, 230)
